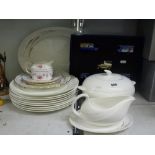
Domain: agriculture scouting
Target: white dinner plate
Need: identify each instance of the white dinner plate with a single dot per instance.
(72, 84)
(42, 109)
(28, 80)
(41, 103)
(23, 81)
(40, 98)
(52, 43)
(53, 100)
(85, 126)
(57, 96)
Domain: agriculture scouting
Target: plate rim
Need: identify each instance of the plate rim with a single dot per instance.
(42, 103)
(125, 126)
(69, 86)
(45, 110)
(21, 49)
(23, 85)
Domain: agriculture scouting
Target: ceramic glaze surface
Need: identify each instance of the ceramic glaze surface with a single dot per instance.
(108, 85)
(46, 44)
(104, 110)
(95, 128)
(41, 71)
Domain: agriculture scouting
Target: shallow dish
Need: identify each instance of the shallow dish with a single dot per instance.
(85, 126)
(41, 103)
(23, 81)
(46, 44)
(34, 98)
(43, 109)
(27, 79)
(72, 84)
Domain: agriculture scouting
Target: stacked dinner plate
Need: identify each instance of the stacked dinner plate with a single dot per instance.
(43, 96)
(40, 96)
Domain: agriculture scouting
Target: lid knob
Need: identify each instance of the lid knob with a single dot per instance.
(108, 72)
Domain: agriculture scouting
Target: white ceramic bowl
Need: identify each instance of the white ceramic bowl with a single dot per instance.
(108, 85)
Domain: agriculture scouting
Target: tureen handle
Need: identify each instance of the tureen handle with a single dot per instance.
(133, 82)
(74, 104)
(108, 72)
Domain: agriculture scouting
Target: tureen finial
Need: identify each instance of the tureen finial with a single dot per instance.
(108, 72)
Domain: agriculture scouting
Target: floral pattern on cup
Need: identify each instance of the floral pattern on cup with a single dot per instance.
(40, 71)
(44, 75)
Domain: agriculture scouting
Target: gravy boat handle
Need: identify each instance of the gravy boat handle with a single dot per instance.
(74, 104)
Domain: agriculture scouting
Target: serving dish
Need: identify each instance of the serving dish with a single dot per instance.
(46, 44)
(72, 84)
(107, 110)
(108, 84)
(85, 126)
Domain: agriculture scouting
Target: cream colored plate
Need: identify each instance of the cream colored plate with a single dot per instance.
(52, 43)
(40, 98)
(28, 80)
(40, 102)
(52, 99)
(48, 109)
(83, 125)
(57, 84)
(72, 84)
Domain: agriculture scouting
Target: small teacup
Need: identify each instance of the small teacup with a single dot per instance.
(41, 72)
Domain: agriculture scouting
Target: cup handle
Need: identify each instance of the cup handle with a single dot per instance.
(76, 99)
(28, 71)
(28, 65)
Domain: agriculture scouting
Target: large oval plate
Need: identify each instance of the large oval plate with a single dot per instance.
(52, 43)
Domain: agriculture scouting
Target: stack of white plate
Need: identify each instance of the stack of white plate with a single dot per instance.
(34, 96)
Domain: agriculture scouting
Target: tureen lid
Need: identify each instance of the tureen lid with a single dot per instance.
(108, 76)
(107, 82)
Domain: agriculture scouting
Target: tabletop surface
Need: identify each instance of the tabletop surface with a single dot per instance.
(17, 122)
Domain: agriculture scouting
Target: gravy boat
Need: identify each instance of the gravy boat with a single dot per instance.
(107, 110)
